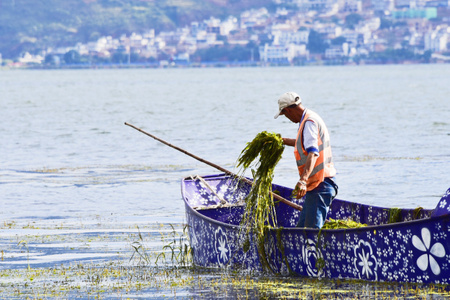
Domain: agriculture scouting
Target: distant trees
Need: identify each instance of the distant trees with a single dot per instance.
(398, 55)
(228, 53)
(385, 23)
(316, 43)
(338, 41)
(352, 19)
(119, 58)
(49, 59)
(72, 57)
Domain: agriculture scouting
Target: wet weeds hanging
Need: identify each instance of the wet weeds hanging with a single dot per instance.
(260, 215)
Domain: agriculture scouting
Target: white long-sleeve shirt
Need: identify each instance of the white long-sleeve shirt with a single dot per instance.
(310, 136)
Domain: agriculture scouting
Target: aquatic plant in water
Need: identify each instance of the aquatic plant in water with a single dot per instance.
(121, 278)
(174, 243)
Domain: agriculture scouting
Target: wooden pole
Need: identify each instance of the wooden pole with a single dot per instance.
(278, 197)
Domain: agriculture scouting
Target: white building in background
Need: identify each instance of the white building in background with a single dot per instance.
(330, 30)
(364, 31)
(230, 24)
(275, 53)
(327, 7)
(182, 57)
(102, 45)
(350, 6)
(212, 25)
(207, 39)
(436, 40)
(351, 37)
(285, 37)
(27, 58)
(337, 51)
(383, 5)
(301, 51)
(135, 40)
(82, 49)
(372, 24)
(415, 39)
(254, 17)
(281, 53)
(150, 51)
(410, 3)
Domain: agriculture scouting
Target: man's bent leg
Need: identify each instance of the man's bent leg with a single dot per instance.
(309, 212)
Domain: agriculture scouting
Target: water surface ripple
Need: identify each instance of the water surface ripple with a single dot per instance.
(71, 169)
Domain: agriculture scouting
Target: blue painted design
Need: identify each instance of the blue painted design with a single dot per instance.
(414, 250)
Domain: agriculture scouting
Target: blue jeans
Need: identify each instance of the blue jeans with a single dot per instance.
(317, 201)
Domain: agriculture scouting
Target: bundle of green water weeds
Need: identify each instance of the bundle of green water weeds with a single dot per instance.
(259, 210)
(259, 214)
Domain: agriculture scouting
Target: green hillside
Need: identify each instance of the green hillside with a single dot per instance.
(33, 25)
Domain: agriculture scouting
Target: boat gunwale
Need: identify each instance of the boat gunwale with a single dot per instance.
(364, 228)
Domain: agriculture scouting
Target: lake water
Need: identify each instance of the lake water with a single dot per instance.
(70, 168)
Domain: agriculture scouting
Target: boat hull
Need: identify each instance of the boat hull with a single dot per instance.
(417, 249)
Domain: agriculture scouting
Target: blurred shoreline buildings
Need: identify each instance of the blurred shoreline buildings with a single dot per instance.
(298, 32)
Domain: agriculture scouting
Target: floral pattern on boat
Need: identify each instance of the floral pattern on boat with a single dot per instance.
(416, 248)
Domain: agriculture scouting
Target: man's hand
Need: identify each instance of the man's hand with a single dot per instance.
(301, 189)
(309, 166)
(289, 142)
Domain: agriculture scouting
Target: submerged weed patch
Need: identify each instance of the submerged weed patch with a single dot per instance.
(171, 275)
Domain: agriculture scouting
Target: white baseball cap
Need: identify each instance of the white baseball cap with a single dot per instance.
(287, 99)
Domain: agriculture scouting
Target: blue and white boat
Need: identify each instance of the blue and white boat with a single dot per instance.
(416, 248)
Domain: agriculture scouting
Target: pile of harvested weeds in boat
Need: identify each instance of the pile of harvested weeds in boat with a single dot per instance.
(259, 210)
(342, 224)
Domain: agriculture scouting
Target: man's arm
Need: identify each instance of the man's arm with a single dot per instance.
(289, 142)
(309, 166)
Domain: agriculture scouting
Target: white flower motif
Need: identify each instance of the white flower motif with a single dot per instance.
(333, 238)
(193, 238)
(224, 189)
(222, 247)
(365, 262)
(443, 204)
(379, 253)
(405, 238)
(437, 250)
(311, 255)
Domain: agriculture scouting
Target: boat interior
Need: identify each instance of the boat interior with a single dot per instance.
(219, 198)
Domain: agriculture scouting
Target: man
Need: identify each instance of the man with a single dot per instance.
(314, 160)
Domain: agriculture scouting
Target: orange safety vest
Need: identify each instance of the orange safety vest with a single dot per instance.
(324, 166)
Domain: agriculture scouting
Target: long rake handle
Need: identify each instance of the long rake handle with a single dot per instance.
(278, 197)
